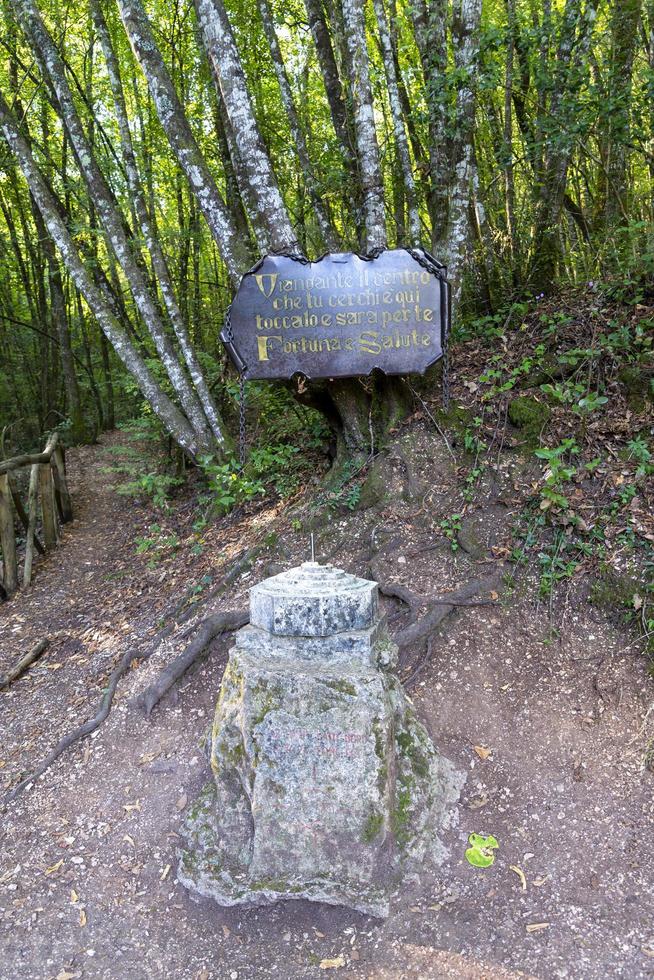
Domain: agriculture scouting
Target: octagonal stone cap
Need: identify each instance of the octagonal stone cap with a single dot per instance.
(313, 600)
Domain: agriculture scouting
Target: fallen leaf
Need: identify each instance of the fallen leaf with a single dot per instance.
(494, 595)
(149, 757)
(74, 897)
(478, 802)
(82, 918)
(637, 601)
(646, 951)
(521, 875)
(65, 975)
(537, 926)
(483, 752)
(55, 867)
(320, 935)
(182, 801)
(165, 873)
(334, 964)
(130, 840)
(540, 881)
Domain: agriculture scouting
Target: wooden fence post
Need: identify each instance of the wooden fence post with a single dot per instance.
(47, 506)
(32, 539)
(61, 485)
(8, 535)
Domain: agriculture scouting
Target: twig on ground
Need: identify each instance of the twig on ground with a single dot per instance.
(24, 663)
(208, 626)
(209, 629)
(89, 726)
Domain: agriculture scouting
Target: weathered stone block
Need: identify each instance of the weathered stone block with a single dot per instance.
(325, 783)
(313, 600)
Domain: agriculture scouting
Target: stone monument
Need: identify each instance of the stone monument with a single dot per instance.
(325, 785)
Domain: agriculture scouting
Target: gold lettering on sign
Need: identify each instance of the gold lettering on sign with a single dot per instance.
(388, 311)
(266, 282)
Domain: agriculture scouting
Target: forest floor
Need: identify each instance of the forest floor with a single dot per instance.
(89, 853)
(543, 698)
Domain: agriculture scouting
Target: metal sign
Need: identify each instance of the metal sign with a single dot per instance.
(341, 316)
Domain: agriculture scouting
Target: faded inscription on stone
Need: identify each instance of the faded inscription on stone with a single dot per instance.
(316, 774)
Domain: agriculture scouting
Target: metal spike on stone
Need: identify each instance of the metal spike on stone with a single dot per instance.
(325, 785)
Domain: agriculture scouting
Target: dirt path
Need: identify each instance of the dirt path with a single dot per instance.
(87, 872)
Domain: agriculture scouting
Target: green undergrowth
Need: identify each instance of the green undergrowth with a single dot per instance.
(566, 389)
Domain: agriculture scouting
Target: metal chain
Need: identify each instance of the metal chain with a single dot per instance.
(437, 269)
(241, 421)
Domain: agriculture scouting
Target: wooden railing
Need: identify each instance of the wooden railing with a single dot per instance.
(47, 494)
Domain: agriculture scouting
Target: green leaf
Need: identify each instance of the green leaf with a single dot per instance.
(480, 853)
(478, 859)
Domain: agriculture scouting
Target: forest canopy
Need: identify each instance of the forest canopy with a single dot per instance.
(153, 152)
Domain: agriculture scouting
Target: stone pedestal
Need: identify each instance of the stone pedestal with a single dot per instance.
(325, 784)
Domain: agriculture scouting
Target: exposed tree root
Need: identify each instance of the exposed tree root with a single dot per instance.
(211, 627)
(24, 663)
(125, 662)
(89, 726)
(441, 606)
(438, 608)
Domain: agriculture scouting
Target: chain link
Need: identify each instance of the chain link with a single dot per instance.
(241, 422)
(440, 271)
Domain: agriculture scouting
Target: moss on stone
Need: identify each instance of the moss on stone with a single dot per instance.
(529, 415)
(343, 687)
(372, 827)
(412, 751)
(637, 386)
(401, 815)
(380, 752)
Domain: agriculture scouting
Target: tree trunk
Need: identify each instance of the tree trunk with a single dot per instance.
(454, 247)
(219, 43)
(232, 248)
(430, 29)
(50, 208)
(364, 126)
(326, 229)
(399, 131)
(150, 236)
(625, 17)
(53, 69)
(574, 41)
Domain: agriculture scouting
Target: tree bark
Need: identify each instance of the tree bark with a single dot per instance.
(399, 131)
(332, 82)
(149, 232)
(327, 231)
(49, 207)
(466, 16)
(625, 17)
(232, 248)
(220, 45)
(430, 29)
(364, 125)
